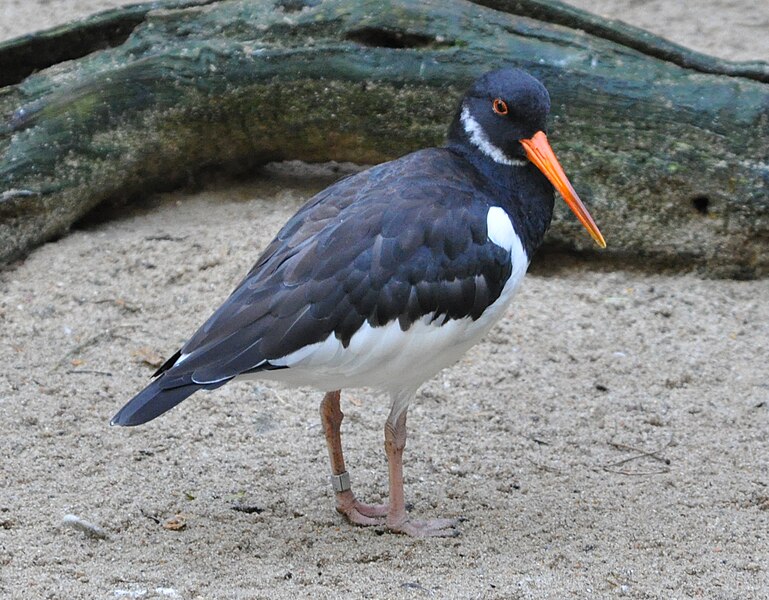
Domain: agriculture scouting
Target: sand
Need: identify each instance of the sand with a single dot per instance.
(608, 438)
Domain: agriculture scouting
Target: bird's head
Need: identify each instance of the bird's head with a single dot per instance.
(504, 115)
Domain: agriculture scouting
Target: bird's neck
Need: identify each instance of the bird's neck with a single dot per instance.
(520, 189)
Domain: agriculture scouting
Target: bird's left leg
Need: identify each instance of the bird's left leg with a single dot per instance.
(398, 520)
(356, 512)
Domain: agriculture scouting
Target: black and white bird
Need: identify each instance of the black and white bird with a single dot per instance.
(386, 277)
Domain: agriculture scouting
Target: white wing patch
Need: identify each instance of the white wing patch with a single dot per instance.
(500, 228)
(478, 138)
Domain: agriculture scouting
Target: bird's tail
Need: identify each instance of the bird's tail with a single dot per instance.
(152, 402)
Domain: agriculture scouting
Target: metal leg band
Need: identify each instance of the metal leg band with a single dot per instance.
(341, 482)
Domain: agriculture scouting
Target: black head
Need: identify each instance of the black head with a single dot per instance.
(501, 121)
(501, 108)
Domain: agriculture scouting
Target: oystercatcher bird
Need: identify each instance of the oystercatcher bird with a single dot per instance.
(386, 277)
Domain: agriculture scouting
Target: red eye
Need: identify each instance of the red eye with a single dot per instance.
(499, 106)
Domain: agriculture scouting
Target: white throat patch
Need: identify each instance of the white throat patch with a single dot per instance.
(478, 138)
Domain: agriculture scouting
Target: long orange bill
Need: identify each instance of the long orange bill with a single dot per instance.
(541, 154)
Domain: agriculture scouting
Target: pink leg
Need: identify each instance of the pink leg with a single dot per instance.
(397, 517)
(356, 512)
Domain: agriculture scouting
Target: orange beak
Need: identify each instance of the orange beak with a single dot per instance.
(539, 152)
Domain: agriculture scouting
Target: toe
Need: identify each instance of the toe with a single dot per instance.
(372, 510)
(356, 517)
(431, 528)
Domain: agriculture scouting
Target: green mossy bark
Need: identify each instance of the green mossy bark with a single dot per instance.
(673, 161)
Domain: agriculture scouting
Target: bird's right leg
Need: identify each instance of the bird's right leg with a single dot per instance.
(356, 512)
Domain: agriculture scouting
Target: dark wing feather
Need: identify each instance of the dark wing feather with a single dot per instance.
(396, 242)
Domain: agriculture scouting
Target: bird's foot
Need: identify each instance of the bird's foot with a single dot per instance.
(358, 512)
(427, 528)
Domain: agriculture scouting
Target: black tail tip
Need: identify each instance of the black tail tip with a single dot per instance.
(150, 403)
(123, 419)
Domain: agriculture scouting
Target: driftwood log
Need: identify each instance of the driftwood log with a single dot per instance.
(669, 148)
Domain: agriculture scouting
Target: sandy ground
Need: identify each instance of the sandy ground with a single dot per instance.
(609, 438)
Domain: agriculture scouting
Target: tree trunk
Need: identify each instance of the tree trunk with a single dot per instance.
(669, 148)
